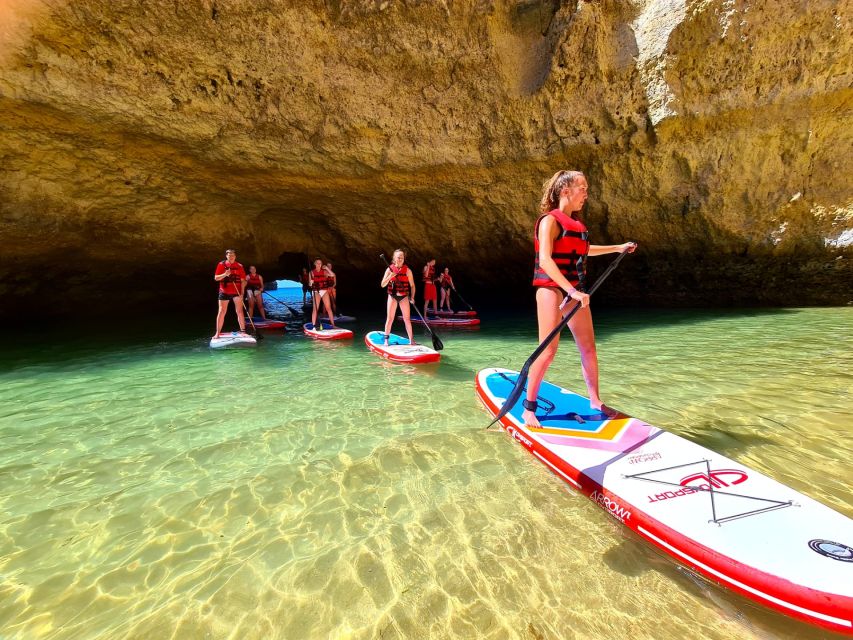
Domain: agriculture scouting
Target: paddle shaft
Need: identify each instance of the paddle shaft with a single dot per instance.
(562, 324)
(281, 302)
(462, 299)
(242, 311)
(437, 344)
(520, 382)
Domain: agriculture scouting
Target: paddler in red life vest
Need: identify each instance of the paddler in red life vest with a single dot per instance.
(400, 284)
(446, 283)
(255, 292)
(231, 278)
(333, 289)
(430, 293)
(320, 279)
(561, 245)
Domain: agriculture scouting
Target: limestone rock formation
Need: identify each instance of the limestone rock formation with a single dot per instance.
(139, 139)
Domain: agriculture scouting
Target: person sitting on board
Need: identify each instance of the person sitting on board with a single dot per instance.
(333, 289)
(306, 284)
(320, 279)
(400, 284)
(255, 292)
(430, 293)
(231, 278)
(561, 243)
(446, 283)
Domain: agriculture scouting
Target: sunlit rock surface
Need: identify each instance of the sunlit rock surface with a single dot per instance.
(139, 140)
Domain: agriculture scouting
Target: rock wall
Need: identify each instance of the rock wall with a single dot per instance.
(138, 140)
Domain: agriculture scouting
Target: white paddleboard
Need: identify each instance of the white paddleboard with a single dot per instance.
(233, 340)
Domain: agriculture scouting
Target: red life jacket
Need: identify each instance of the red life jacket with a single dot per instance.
(230, 285)
(430, 274)
(399, 284)
(253, 281)
(321, 280)
(446, 281)
(569, 251)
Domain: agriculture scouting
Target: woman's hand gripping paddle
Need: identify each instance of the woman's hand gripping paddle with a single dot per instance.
(521, 381)
(437, 344)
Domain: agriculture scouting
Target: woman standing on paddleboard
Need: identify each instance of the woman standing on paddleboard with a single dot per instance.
(320, 280)
(446, 283)
(255, 291)
(333, 289)
(400, 284)
(561, 243)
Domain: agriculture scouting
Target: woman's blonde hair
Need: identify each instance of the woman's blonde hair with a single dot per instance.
(554, 186)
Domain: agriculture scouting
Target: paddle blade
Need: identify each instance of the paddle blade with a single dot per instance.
(512, 398)
(437, 344)
(253, 331)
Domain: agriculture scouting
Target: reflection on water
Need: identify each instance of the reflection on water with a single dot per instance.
(311, 490)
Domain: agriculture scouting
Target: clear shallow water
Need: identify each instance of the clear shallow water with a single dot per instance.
(156, 489)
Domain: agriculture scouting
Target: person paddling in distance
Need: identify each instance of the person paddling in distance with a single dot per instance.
(320, 279)
(446, 283)
(255, 292)
(430, 293)
(231, 278)
(306, 285)
(561, 243)
(333, 289)
(400, 284)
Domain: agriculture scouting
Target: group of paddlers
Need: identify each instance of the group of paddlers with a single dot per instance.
(247, 289)
(561, 245)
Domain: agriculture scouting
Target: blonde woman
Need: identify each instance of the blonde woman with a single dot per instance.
(561, 242)
(400, 284)
(320, 280)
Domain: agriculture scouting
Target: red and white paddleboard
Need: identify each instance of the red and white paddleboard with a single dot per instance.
(398, 349)
(327, 333)
(266, 324)
(453, 314)
(733, 525)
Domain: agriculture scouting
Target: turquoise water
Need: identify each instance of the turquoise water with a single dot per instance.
(152, 488)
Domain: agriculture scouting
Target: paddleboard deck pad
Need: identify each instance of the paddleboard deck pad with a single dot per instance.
(233, 340)
(447, 322)
(727, 522)
(327, 333)
(398, 349)
(268, 324)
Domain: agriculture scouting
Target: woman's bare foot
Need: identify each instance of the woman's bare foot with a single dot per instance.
(603, 408)
(530, 419)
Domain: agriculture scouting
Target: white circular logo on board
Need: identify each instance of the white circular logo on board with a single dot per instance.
(834, 550)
